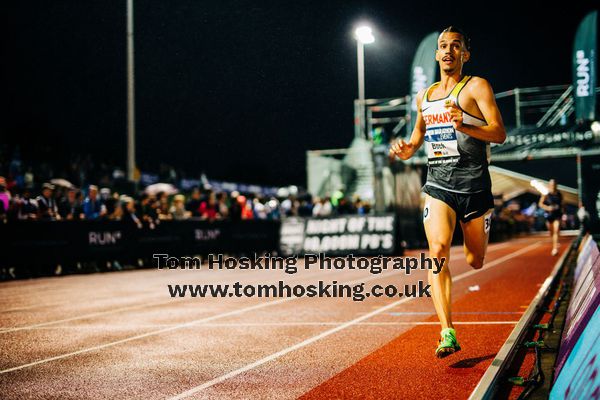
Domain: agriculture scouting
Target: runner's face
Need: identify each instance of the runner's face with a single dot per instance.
(451, 54)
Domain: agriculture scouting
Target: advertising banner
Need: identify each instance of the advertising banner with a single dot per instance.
(584, 68)
(354, 234)
(584, 302)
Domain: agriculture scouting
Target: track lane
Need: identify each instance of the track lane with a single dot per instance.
(231, 347)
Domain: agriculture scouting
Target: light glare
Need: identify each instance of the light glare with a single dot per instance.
(539, 186)
(364, 34)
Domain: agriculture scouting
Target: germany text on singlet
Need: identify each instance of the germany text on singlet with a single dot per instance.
(457, 162)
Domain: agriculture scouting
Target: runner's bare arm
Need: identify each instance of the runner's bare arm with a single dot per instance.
(482, 93)
(542, 205)
(405, 150)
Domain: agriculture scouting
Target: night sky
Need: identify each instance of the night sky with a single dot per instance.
(240, 90)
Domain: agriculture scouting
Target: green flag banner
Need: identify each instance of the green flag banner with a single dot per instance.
(584, 68)
(423, 71)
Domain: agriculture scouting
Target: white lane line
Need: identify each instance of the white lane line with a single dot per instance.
(322, 335)
(148, 281)
(9, 310)
(383, 323)
(282, 324)
(102, 280)
(140, 306)
(85, 316)
(144, 335)
(185, 325)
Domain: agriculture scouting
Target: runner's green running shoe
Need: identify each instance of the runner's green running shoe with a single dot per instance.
(447, 344)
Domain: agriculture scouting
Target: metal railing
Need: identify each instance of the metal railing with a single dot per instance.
(533, 107)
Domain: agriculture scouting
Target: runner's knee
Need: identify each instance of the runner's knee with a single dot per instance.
(439, 249)
(474, 260)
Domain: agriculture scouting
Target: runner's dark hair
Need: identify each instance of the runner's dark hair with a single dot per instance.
(454, 29)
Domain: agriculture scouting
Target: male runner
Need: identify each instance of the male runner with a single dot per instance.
(457, 118)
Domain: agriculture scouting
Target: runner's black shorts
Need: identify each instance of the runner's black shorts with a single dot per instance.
(553, 216)
(467, 206)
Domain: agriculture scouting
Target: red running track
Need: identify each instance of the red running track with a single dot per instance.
(119, 335)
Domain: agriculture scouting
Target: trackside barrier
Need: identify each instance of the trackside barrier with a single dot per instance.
(33, 243)
(30, 243)
(489, 383)
(577, 371)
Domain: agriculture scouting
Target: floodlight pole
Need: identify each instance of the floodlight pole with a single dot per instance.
(130, 96)
(360, 57)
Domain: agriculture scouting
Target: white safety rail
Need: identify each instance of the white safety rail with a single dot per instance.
(488, 385)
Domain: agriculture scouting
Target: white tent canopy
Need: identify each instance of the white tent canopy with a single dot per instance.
(512, 184)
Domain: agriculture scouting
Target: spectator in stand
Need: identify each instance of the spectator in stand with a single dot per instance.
(46, 205)
(105, 194)
(129, 215)
(27, 208)
(177, 210)
(92, 206)
(28, 178)
(163, 206)
(345, 207)
(193, 204)
(246, 205)
(155, 205)
(10, 184)
(147, 210)
(322, 207)
(259, 209)
(286, 207)
(70, 207)
(4, 199)
(114, 210)
(272, 206)
(235, 209)
(208, 208)
(361, 207)
(222, 207)
(316, 207)
(305, 208)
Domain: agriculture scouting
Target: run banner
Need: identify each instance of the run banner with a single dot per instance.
(584, 68)
(38, 242)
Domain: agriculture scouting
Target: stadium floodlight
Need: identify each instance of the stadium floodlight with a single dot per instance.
(364, 34)
(595, 128)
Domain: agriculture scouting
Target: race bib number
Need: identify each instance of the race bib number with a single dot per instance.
(426, 212)
(441, 144)
(487, 221)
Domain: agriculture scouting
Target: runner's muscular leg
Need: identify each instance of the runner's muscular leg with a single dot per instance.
(555, 233)
(550, 227)
(439, 220)
(476, 233)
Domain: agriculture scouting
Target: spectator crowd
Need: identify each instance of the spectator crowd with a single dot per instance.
(35, 193)
(57, 203)
(40, 193)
